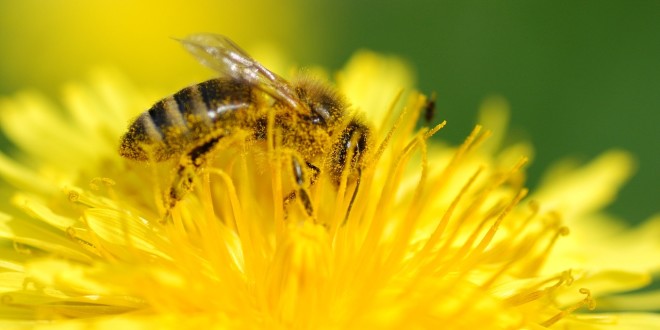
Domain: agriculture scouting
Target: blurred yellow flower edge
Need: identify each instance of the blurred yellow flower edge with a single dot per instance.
(439, 236)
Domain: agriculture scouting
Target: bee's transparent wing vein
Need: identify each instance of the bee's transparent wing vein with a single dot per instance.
(223, 55)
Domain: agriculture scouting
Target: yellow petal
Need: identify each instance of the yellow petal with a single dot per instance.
(578, 190)
(621, 321)
(123, 234)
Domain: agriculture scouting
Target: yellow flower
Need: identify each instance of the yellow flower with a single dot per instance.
(437, 236)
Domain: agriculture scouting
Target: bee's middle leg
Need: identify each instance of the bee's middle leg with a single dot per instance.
(300, 180)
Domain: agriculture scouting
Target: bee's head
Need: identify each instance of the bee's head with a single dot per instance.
(349, 151)
(325, 104)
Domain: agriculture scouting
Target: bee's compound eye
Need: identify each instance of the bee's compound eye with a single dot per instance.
(321, 111)
(321, 100)
(316, 119)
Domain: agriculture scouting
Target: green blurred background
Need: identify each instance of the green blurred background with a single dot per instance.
(581, 76)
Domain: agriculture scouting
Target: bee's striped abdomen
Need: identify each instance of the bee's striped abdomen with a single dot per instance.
(223, 97)
(175, 122)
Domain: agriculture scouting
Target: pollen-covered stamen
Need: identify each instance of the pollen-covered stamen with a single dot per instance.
(534, 208)
(470, 213)
(97, 182)
(440, 183)
(433, 240)
(526, 260)
(386, 139)
(538, 291)
(21, 248)
(379, 218)
(87, 199)
(71, 229)
(410, 120)
(435, 129)
(518, 249)
(401, 129)
(467, 257)
(477, 252)
(406, 227)
(106, 220)
(86, 240)
(588, 301)
(416, 207)
(366, 175)
(553, 230)
(524, 246)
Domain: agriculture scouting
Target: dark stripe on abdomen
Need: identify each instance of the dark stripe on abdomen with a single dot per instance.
(211, 93)
(184, 101)
(159, 116)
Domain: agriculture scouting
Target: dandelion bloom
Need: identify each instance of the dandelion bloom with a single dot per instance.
(437, 236)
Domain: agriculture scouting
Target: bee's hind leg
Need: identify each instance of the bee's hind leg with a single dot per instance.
(300, 180)
(188, 168)
(181, 184)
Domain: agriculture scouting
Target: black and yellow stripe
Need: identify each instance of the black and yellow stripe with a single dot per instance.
(184, 116)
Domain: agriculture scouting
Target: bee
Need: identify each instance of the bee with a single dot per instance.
(192, 123)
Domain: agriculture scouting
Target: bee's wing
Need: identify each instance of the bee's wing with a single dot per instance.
(223, 55)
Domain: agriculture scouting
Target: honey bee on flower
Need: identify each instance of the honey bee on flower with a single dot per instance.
(189, 125)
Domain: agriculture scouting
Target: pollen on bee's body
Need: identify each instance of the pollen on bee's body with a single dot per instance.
(142, 131)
